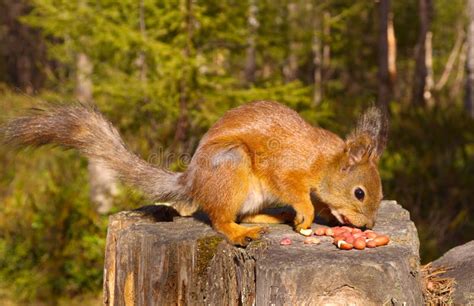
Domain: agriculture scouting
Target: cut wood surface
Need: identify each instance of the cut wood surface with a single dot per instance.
(156, 258)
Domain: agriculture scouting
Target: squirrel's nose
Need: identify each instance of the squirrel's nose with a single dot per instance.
(370, 224)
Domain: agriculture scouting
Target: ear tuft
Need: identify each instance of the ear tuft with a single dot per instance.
(358, 150)
(369, 138)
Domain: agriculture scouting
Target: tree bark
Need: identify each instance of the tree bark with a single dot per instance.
(421, 92)
(253, 24)
(469, 94)
(385, 83)
(184, 262)
(102, 181)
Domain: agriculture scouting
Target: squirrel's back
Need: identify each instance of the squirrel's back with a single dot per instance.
(270, 129)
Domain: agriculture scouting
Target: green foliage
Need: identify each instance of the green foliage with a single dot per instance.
(51, 239)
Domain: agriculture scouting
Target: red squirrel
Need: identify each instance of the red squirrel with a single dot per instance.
(257, 154)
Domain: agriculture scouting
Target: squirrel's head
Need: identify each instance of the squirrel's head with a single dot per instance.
(351, 187)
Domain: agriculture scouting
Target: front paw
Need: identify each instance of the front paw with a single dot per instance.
(303, 224)
(250, 234)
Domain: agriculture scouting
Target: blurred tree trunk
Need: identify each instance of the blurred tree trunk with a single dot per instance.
(23, 59)
(290, 68)
(141, 60)
(429, 83)
(102, 181)
(459, 81)
(392, 53)
(469, 94)
(421, 84)
(326, 60)
(184, 84)
(455, 53)
(250, 61)
(386, 55)
(83, 78)
(317, 58)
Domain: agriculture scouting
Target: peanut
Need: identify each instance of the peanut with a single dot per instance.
(306, 232)
(338, 238)
(359, 243)
(344, 245)
(350, 239)
(370, 235)
(337, 230)
(320, 231)
(311, 240)
(381, 240)
(329, 232)
(371, 244)
(285, 241)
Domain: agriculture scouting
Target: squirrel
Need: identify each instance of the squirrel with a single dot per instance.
(255, 155)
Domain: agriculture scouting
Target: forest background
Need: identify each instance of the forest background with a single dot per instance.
(164, 71)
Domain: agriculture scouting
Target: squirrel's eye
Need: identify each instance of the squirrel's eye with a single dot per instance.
(359, 194)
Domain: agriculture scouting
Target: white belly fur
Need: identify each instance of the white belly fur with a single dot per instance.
(256, 199)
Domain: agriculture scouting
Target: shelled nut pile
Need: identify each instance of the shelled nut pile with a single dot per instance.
(347, 238)
(344, 237)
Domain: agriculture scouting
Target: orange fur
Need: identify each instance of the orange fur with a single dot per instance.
(269, 218)
(264, 152)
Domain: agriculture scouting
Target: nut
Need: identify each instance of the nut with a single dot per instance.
(329, 231)
(359, 243)
(339, 231)
(320, 231)
(306, 232)
(381, 240)
(370, 235)
(350, 239)
(311, 240)
(338, 238)
(344, 245)
(371, 244)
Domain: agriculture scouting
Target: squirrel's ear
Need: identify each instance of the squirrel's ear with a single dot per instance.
(368, 139)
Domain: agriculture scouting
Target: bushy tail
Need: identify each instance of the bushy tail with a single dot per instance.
(84, 128)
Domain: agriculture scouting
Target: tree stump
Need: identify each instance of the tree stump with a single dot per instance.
(459, 263)
(154, 257)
